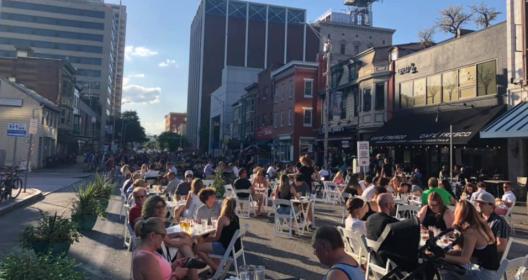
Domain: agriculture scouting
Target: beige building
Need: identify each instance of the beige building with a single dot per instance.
(19, 104)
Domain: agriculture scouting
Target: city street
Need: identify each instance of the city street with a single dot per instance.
(101, 254)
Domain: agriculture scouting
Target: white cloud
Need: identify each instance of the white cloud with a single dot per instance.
(168, 62)
(132, 51)
(132, 76)
(136, 94)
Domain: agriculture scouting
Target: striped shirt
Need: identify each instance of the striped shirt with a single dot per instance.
(499, 226)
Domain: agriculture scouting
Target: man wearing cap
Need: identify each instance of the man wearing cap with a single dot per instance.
(481, 188)
(485, 204)
(508, 198)
(183, 188)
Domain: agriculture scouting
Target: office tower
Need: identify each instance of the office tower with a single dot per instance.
(240, 34)
(87, 33)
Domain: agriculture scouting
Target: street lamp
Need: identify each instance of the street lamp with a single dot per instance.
(327, 49)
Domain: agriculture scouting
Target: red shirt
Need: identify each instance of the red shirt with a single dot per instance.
(134, 214)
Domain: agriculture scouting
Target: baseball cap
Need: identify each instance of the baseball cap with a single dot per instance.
(188, 172)
(416, 188)
(485, 197)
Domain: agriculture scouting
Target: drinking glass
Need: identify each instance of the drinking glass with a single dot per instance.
(260, 272)
(251, 272)
(243, 272)
(214, 222)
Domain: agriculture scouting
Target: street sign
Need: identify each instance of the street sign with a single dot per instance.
(363, 152)
(33, 126)
(17, 129)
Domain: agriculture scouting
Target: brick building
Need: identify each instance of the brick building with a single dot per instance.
(176, 123)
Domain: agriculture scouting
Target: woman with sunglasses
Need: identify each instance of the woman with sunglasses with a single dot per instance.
(147, 263)
(435, 213)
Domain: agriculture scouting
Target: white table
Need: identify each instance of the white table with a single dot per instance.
(197, 230)
(305, 204)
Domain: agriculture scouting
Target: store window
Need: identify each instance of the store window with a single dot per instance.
(342, 48)
(307, 117)
(419, 92)
(367, 100)
(487, 78)
(434, 89)
(406, 95)
(467, 81)
(380, 96)
(449, 86)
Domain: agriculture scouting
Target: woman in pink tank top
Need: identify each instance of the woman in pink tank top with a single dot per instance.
(147, 264)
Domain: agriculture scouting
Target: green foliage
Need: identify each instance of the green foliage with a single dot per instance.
(87, 203)
(218, 183)
(50, 229)
(171, 141)
(102, 188)
(27, 265)
(130, 129)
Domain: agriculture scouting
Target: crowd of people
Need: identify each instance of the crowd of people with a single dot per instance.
(461, 204)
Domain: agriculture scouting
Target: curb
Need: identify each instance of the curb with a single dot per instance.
(23, 203)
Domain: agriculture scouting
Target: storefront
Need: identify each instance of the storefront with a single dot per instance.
(423, 140)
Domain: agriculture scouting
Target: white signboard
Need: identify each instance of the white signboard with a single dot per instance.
(33, 126)
(363, 153)
(17, 129)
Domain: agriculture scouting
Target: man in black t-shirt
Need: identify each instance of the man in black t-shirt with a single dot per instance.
(242, 183)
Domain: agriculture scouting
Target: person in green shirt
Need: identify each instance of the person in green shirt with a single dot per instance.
(433, 187)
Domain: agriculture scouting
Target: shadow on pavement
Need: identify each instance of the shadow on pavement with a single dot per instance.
(111, 241)
(280, 267)
(92, 272)
(114, 218)
(264, 249)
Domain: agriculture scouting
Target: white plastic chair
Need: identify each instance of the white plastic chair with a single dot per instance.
(521, 264)
(508, 218)
(231, 256)
(229, 191)
(355, 244)
(344, 198)
(207, 183)
(406, 211)
(330, 192)
(372, 268)
(246, 206)
(281, 220)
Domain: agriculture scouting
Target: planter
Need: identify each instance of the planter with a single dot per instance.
(85, 222)
(104, 203)
(54, 248)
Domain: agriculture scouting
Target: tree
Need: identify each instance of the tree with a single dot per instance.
(426, 37)
(452, 19)
(484, 15)
(129, 128)
(171, 141)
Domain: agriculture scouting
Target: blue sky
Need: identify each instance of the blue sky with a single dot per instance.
(157, 43)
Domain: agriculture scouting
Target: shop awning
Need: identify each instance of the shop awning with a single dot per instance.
(511, 124)
(432, 128)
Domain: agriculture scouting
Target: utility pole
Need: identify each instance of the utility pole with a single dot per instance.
(328, 51)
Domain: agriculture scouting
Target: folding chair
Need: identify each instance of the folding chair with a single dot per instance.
(229, 191)
(372, 268)
(520, 263)
(330, 192)
(231, 256)
(246, 206)
(355, 244)
(284, 219)
(207, 183)
(406, 211)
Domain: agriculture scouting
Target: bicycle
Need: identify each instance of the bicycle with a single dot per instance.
(10, 184)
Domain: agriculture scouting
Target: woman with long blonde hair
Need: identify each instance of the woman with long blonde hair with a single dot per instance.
(259, 189)
(478, 246)
(228, 224)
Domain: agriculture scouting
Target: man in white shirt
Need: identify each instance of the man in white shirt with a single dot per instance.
(271, 172)
(370, 190)
(508, 198)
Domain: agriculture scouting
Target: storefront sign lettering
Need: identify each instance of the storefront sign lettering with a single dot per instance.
(436, 135)
(408, 69)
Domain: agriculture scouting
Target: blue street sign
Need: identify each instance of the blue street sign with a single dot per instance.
(17, 129)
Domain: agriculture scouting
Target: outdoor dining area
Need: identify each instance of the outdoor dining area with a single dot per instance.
(419, 247)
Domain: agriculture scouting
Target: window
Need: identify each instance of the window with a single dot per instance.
(308, 88)
(281, 119)
(53, 9)
(307, 117)
(53, 21)
(290, 117)
(367, 100)
(406, 95)
(419, 92)
(356, 49)
(449, 86)
(49, 45)
(51, 33)
(380, 96)
(342, 48)
(434, 89)
(486, 78)
(467, 81)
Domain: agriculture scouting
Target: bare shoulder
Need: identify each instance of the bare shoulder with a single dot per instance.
(336, 274)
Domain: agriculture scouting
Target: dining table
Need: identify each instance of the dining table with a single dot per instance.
(196, 230)
(305, 205)
(496, 191)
